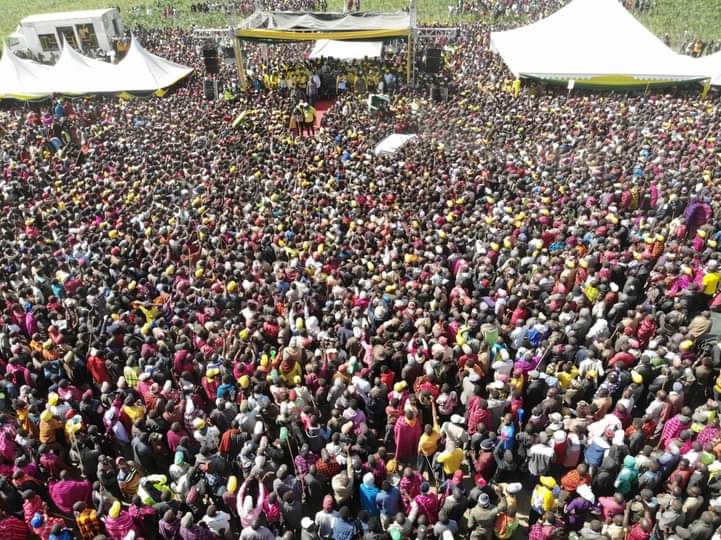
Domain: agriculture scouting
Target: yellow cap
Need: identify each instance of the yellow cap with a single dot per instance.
(244, 381)
(53, 398)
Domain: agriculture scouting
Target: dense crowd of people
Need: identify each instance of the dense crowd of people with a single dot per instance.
(212, 328)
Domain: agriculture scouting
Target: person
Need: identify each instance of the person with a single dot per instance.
(325, 519)
(407, 436)
(309, 115)
(207, 303)
(368, 495)
(343, 527)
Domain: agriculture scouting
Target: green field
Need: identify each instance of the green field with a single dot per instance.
(700, 18)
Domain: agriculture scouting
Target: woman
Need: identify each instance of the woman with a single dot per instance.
(407, 434)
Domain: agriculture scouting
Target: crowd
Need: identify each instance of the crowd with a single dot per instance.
(219, 330)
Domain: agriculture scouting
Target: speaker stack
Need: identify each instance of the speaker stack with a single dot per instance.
(433, 61)
(210, 59)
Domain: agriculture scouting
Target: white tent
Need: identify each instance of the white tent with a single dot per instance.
(391, 144)
(346, 50)
(592, 41)
(75, 74)
(22, 79)
(711, 65)
(142, 71)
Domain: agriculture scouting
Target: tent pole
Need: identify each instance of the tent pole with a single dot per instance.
(410, 79)
(242, 76)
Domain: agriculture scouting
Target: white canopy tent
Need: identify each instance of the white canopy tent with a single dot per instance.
(22, 79)
(75, 74)
(142, 71)
(711, 65)
(594, 42)
(346, 50)
(391, 144)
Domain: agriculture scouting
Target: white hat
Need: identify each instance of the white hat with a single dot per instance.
(458, 419)
(306, 522)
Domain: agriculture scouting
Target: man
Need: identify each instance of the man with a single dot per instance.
(344, 528)
(325, 519)
(482, 517)
(388, 501)
(309, 118)
(256, 531)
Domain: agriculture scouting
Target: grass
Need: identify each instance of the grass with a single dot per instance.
(701, 18)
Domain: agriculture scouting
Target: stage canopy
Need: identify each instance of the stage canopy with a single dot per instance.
(273, 26)
(391, 144)
(75, 75)
(346, 50)
(594, 42)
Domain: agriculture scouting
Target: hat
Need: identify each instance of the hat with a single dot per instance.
(486, 444)
(559, 437)
(306, 523)
(514, 487)
(199, 423)
(548, 481)
(458, 419)
(584, 491)
(484, 500)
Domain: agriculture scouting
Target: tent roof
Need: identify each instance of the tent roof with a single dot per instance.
(346, 50)
(142, 71)
(63, 15)
(20, 78)
(75, 74)
(298, 26)
(711, 65)
(589, 39)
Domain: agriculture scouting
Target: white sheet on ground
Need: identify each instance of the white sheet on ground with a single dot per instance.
(392, 143)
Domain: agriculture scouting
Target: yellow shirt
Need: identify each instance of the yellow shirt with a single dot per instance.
(428, 444)
(451, 460)
(710, 283)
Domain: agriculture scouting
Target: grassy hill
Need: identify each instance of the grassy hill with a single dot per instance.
(700, 18)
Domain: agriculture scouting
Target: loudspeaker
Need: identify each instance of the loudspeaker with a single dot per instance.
(433, 61)
(438, 94)
(210, 59)
(210, 89)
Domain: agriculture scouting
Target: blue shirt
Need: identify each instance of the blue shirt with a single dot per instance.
(342, 530)
(389, 502)
(368, 499)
